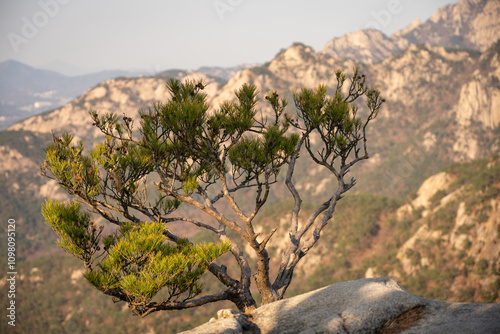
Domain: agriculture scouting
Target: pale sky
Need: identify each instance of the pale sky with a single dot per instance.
(162, 34)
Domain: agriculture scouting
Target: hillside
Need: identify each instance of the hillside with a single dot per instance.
(442, 106)
(470, 24)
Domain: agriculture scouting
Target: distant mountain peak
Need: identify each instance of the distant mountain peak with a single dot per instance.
(472, 24)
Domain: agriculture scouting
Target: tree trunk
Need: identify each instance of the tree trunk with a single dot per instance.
(243, 300)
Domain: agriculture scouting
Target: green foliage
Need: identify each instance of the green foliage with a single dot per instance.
(363, 212)
(58, 304)
(479, 175)
(467, 243)
(490, 295)
(78, 235)
(77, 172)
(417, 212)
(140, 263)
(253, 155)
(335, 118)
(436, 198)
(444, 218)
(414, 256)
(464, 229)
(469, 261)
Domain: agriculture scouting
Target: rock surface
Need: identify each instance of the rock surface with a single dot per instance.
(375, 305)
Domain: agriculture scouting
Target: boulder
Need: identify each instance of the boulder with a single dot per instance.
(372, 305)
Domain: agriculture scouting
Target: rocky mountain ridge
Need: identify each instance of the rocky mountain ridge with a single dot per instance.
(26, 91)
(469, 24)
(453, 95)
(442, 107)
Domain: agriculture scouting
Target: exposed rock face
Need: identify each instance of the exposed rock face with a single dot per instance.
(473, 24)
(432, 185)
(367, 46)
(123, 96)
(471, 235)
(417, 67)
(376, 305)
(479, 103)
(225, 73)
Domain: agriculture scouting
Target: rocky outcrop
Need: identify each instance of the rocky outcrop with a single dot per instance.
(470, 24)
(375, 305)
(367, 46)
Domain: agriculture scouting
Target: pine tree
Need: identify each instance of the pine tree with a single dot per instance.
(184, 153)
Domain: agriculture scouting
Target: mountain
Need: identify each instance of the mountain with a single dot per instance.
(425, 207)
(469, 24)
(25, 90)
(366, 46)
(441, 243)
(66, 68)
(442, 107)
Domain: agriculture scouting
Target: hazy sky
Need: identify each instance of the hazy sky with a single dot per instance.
(162, 34)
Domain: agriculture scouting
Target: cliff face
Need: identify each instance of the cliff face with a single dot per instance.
(442, 105)
(472, 24)
(366, 46)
